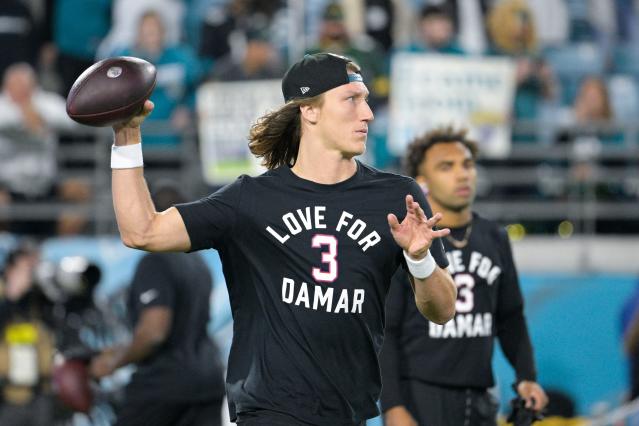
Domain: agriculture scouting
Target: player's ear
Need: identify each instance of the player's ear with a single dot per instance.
(310, 113)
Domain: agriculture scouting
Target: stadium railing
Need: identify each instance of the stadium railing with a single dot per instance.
(536, 184)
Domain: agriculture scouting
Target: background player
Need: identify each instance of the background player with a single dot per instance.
(179, 379)
(308, 250)
(439, 374)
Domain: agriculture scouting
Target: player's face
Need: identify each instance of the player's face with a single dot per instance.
(449, 172)
(343, 119)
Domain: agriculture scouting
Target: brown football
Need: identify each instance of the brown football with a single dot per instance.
(71, 384)
(111, 91)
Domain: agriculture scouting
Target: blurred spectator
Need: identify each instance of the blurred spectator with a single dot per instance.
(627, 18)
(199, 12)
(27, 345)
(17, 34)
(590, 115)
(28, 141)
(224, 28)
(436, 32)
(78, 28)
(178, 71)
(216, 24)
(592, 103)
(469, 18)
(379, 21)
(513, 33)
(126, 19)
(362, 49)
(586, 126)
(259, 61)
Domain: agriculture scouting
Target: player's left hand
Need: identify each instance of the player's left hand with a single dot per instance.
(104, 364)
(415, 233)
(536, 398)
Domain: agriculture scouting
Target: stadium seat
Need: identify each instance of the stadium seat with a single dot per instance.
(626, 60)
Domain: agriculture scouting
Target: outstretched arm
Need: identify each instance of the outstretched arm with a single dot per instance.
(435, 291)
(140, 225)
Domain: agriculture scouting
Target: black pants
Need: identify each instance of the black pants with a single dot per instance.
(170, 414)
(271, 418)
(433, 405)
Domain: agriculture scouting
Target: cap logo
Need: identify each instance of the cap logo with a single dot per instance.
(304, 89)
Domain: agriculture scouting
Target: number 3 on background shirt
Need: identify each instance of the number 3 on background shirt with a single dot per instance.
(465, 297)
(328, 257)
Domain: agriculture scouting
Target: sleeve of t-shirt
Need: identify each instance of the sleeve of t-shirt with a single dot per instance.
(152, 283)
(512, 330)
(210, 220)
(436, 248)
(389, 357)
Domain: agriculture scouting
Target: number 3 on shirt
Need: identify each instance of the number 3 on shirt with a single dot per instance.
(465, 297)
(328, 257)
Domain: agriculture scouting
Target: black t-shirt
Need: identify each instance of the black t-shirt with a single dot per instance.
(308, 267)
(186, 368)
(459, 353)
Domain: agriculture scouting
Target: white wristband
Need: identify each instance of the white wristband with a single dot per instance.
(422, 268)
(127, 156)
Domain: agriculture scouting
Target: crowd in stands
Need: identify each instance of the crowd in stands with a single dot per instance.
(577, 64)
(577, 79)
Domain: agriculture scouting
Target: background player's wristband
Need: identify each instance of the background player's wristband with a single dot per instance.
(422, 268)
(127, 156)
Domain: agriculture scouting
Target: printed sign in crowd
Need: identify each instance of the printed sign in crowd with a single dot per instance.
(226, 112)
(429, 90)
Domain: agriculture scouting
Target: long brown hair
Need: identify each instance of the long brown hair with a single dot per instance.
(588, 109)
(275, 137)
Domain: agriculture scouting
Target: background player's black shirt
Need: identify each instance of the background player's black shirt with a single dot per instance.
(308, 267)
(186, 367)
(489, 304)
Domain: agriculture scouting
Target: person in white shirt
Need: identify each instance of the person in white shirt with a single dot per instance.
(28, 124)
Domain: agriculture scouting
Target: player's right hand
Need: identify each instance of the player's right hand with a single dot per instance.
(136, 120)
(399, 416)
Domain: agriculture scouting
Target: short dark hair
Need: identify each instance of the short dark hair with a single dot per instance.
(416, 150)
